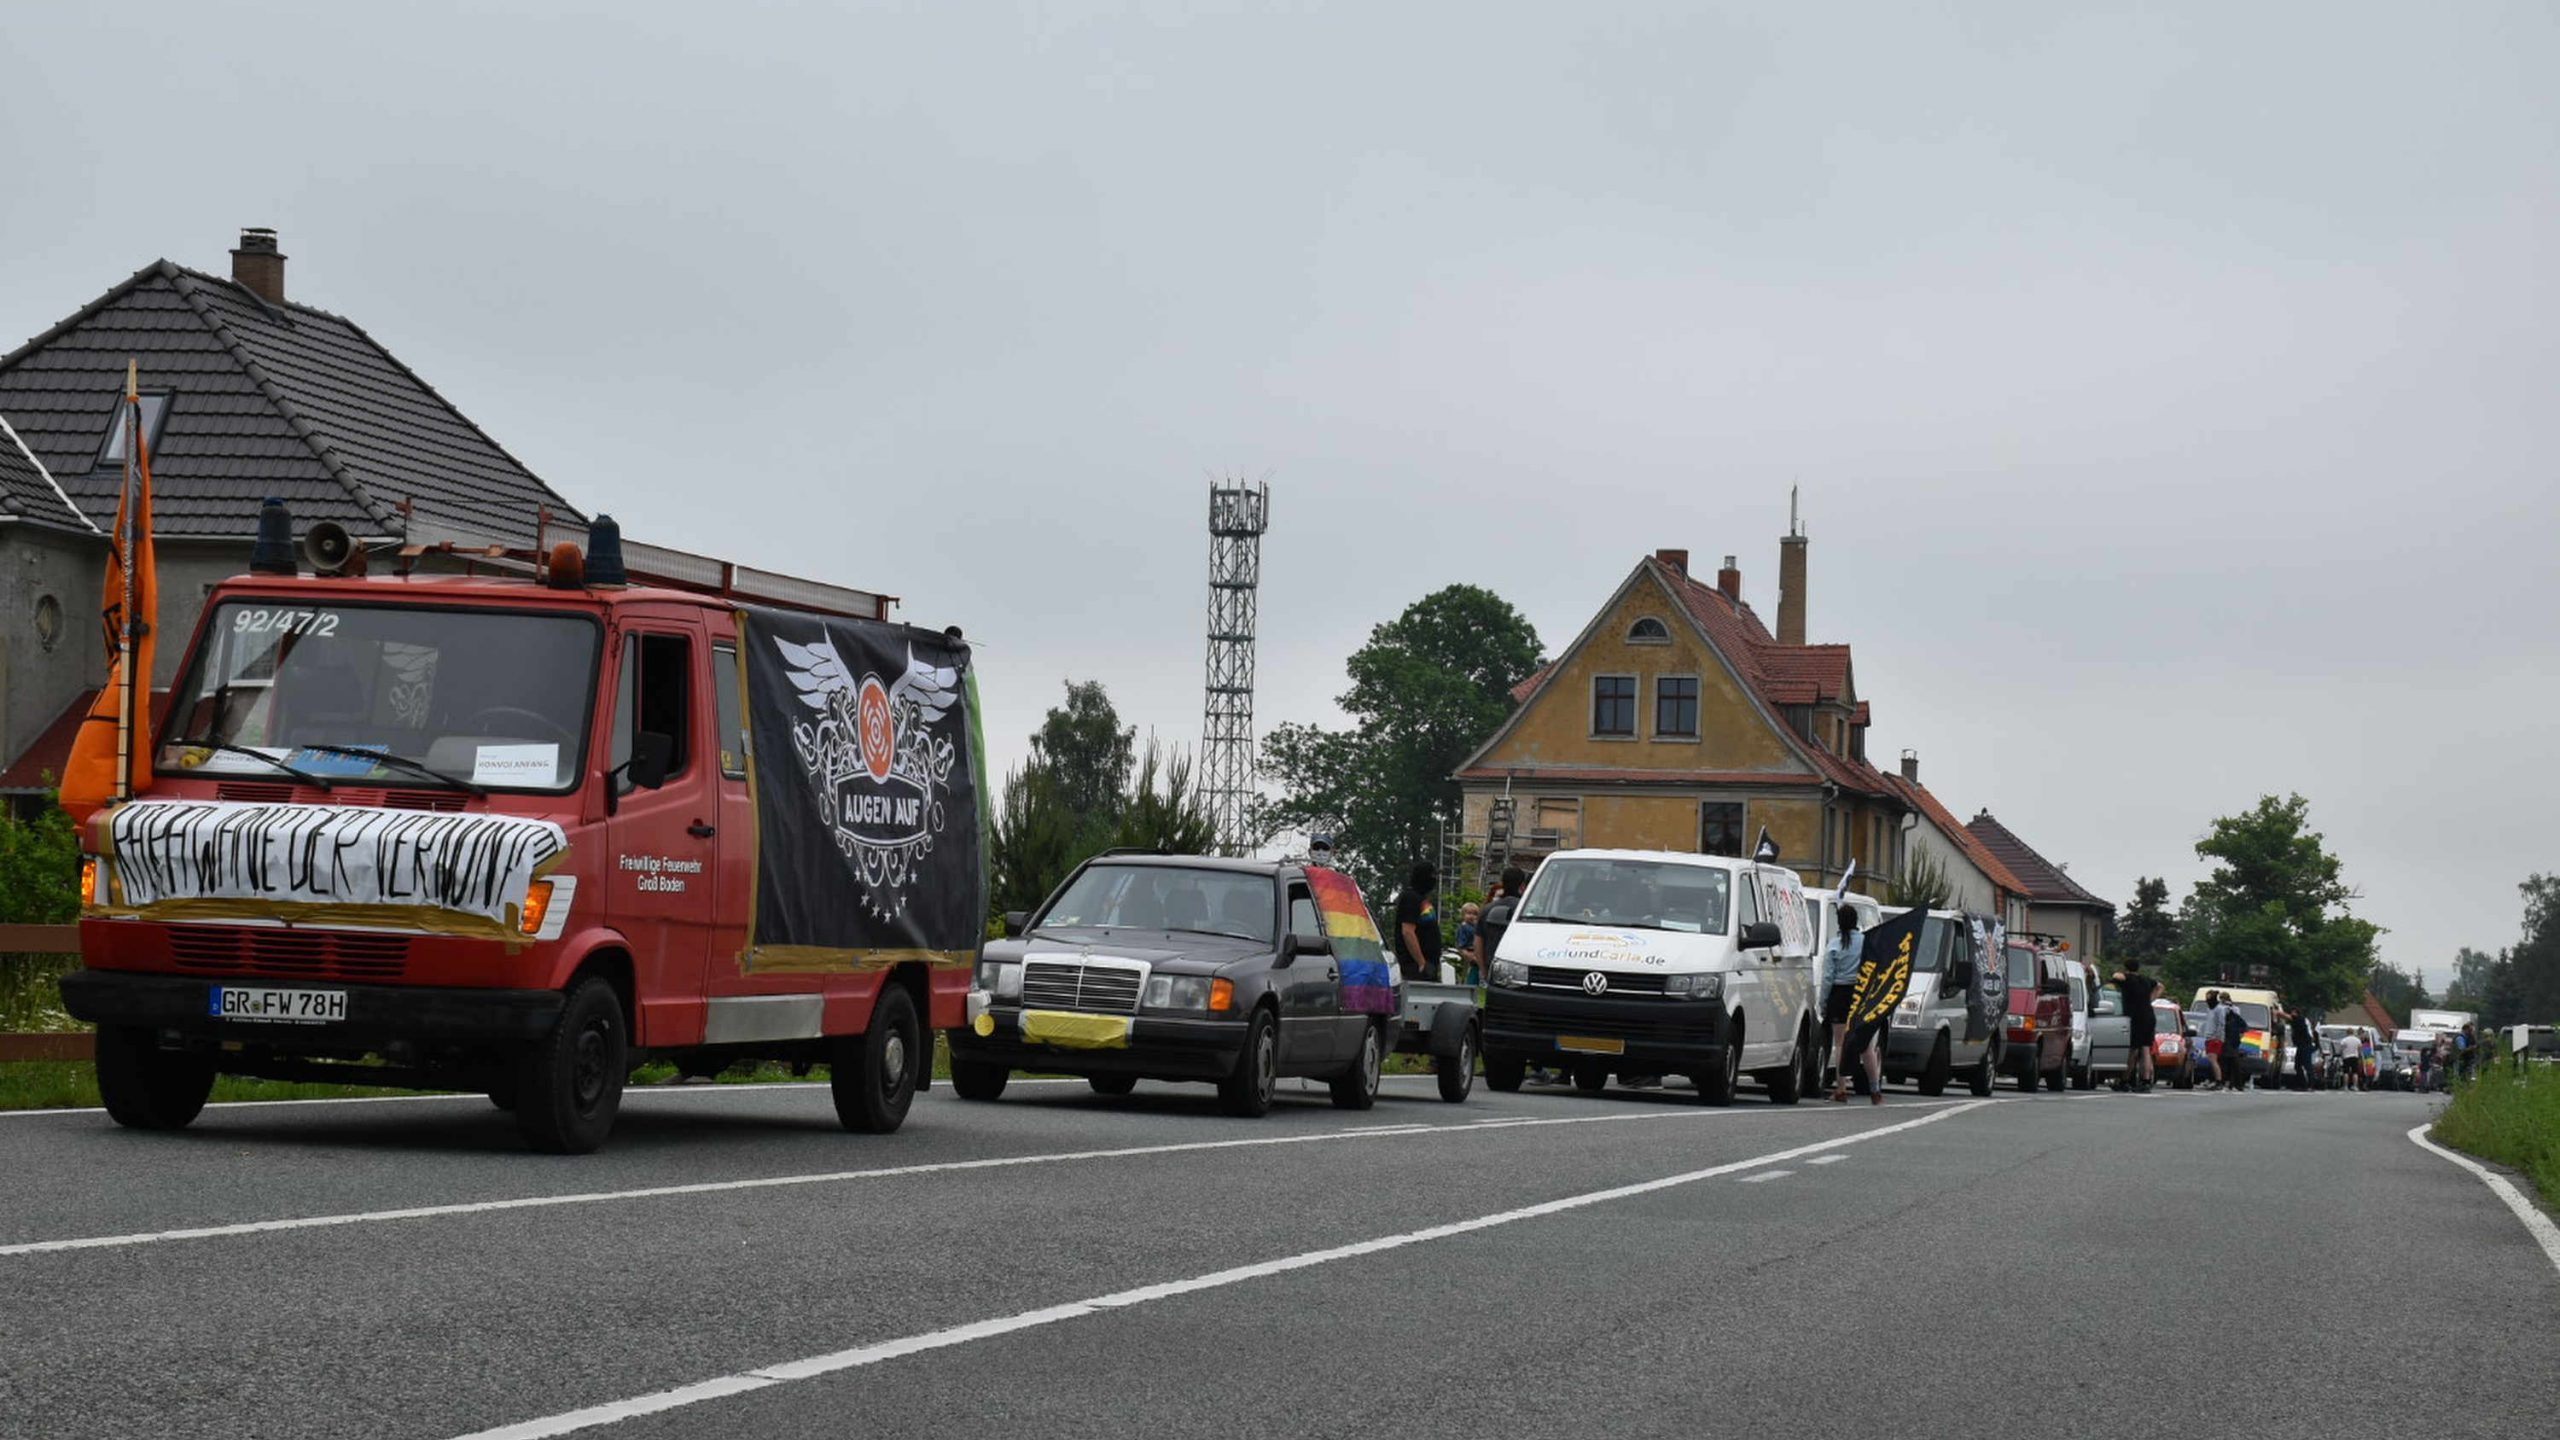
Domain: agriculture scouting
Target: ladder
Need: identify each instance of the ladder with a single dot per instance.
(1497, 839)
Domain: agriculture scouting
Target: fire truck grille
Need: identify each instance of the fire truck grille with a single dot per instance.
(1065, 985)
(258, 950)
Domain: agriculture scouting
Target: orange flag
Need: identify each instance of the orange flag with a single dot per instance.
(111, 756)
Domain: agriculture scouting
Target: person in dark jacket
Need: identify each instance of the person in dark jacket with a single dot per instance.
(1418, 937)
(2305, 1041)
(2235, 1068)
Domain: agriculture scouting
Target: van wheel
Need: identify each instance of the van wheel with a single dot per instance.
(1715, 1087)
(1357, 1087)
(148, 1088)
(2057, 1078)
(2084, 1078)
(1979, 1079)
(1591, 1077)
(1458, 1072)
(978, 1080)
(1248, 1092)
(1112, 1085)
(1933, 1079)
(1786, 1083)
(569, 1083)
(2026, 1078)
(873, 1074)
(1504, 1072)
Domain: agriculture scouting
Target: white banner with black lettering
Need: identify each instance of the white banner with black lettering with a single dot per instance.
(476, 865)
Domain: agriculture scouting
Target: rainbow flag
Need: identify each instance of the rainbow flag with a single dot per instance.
(1368, 983)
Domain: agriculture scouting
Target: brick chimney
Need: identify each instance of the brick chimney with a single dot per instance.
(257, 266)
(1729, 580)
(1911, 766)
(1791, 590)
(1677, 559)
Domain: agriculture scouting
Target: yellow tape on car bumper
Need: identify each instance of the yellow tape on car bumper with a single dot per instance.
(1076, 1032)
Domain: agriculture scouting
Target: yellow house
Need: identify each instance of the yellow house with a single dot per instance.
(1677, 721)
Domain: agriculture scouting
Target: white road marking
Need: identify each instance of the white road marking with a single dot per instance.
(2536, 1224)
(1826, 1159)
(1764, 1175)
(765, 1376)
(826, 1177)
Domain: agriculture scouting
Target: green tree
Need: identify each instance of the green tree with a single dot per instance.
(1428, 688)
(1040, 837)
(2274, 909)
(39, 869)
(1086, 751)
(1924, 884)
(2399, 991)
(2149, 931)
(2532, 990)
(1162, 811)
(2476, 973)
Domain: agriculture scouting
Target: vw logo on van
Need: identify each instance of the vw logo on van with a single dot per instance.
(1595, 983)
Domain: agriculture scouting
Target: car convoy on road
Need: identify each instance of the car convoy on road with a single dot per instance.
(521, 832)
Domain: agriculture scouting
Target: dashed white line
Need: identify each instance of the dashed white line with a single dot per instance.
(825, 1177)
(765, 1376)
(2536, 1224)
(1826, 1159)
(1764, 1175)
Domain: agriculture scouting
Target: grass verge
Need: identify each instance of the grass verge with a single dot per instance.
(2511, 1119)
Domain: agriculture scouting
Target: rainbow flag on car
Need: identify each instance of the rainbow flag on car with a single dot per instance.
(1368, 984)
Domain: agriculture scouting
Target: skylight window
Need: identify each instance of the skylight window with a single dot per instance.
(155, 408)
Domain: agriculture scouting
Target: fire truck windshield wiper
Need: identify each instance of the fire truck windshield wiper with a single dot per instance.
(207, 742)
(414, 767)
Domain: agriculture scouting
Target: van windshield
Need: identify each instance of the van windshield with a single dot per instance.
(492, 698)
(2253, 1012)
(1631, 895)
(1931, 953)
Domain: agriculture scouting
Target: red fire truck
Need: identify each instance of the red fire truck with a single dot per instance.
(520, 831)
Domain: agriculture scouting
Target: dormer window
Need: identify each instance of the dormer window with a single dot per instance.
(155, 408)
(1648, 631)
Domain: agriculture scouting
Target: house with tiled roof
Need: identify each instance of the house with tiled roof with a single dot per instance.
(2056, 904)
(246, 394)
(1976, 880)
(1678, 720)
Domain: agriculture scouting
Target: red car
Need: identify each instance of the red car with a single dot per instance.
(2039, 1016)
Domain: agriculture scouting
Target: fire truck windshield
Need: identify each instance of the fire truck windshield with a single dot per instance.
(479, 698)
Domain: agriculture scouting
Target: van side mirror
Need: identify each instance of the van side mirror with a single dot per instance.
(1015, 922)
(1759, 935)
(652, 755)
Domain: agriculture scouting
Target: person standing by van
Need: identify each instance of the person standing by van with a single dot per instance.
(1418, 923)
(2304, 1042)
(1839, 979)
(2137, 990)
(2235, 1063)
(2213, 1035)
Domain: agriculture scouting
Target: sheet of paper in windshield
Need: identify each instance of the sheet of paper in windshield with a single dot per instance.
(516, 765)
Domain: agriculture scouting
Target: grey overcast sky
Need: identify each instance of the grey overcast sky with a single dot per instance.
(2172, 392)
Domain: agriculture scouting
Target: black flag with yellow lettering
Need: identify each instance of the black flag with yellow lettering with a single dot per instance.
(1884, 976)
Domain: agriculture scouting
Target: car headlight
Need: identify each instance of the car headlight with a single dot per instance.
(1000, 978)
(1707, 985)
(1510, 974)
(1178, 992)
(1906, 1014)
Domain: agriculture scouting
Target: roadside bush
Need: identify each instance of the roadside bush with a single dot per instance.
(39, 885)
(2511, 1119)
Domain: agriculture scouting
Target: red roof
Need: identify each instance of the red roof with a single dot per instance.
(2045, 880)
(1965, 840)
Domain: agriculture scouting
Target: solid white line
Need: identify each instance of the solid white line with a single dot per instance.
(767, 1375)
(2536, 1224)
(1764, 1175)
(825, 1177)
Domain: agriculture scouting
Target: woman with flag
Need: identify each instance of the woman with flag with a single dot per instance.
(1839, 977)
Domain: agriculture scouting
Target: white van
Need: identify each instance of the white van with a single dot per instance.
(1949, 1024)
(2448, 1020)
(1648, 962)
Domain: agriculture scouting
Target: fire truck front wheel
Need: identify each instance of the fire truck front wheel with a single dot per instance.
(569, 1083)
(146, 1087)
(873, 1074)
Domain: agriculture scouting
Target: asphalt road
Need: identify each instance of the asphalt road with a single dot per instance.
(1532, 1265)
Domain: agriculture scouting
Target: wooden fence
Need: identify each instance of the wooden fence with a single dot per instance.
(43, 940)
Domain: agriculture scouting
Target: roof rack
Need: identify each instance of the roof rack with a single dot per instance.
(661, 567)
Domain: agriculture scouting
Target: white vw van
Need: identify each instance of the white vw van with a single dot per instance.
(1645, 962)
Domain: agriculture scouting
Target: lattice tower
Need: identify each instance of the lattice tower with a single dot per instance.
(1238, 514)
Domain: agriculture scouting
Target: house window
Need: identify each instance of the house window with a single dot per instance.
(1720, 827)
(1648, 631)
(1675, 705)
(155, 408)
(1613, 705)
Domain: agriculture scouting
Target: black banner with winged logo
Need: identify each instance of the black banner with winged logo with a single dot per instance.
(1884, 976)
(863, 744)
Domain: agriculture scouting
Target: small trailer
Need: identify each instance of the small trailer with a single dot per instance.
(1442, 1021)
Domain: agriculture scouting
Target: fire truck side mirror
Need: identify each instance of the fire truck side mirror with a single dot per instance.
(651, 755)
